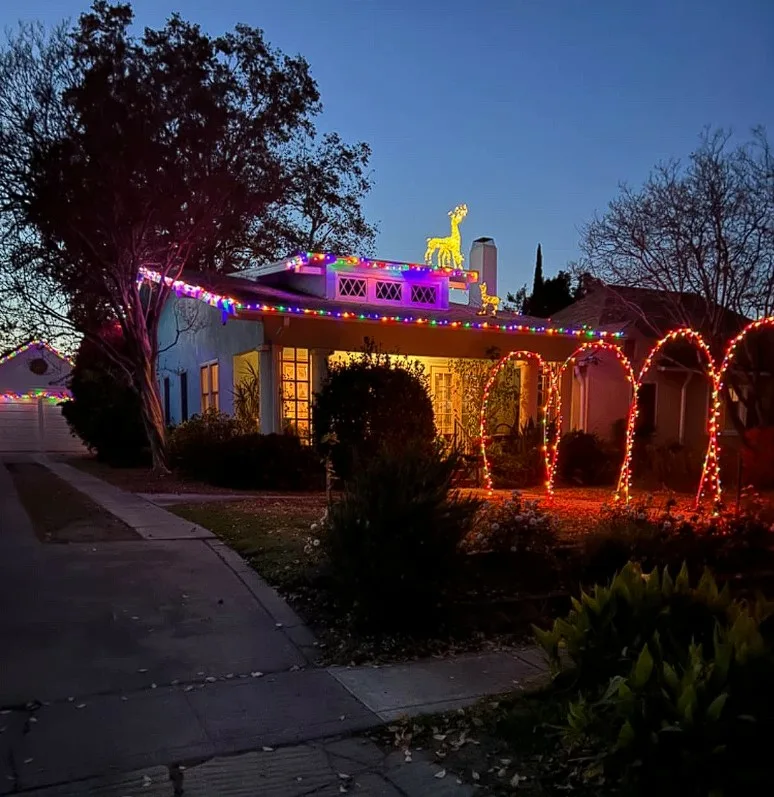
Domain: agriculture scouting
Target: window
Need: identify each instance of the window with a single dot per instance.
(296, 390)
(735, 407)
(423, 294)
(442, 401)
(646, 406)
(210, 378)
(167, 403)
(389, 291)
(184, 396)
(352, 288)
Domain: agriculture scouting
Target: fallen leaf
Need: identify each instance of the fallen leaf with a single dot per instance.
(344, 776)
(475, 775)
(440, 774)
(81, 705)
(267, 749)
(28, 760)
(210, 679)
(517, 779)
(256, 674)
(143, 669)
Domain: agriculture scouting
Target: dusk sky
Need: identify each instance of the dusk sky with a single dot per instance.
(531, 112)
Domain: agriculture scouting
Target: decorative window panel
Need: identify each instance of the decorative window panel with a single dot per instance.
(389, 291)
(296, 391)
(352, 288)
(424, 294)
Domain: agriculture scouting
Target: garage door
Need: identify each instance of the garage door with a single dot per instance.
(35, 425)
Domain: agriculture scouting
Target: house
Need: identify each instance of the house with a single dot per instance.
(33, 383)
(288, 320)
(674, 398)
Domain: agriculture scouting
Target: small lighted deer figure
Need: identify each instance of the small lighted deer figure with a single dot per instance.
(489, 304)
(448, 249)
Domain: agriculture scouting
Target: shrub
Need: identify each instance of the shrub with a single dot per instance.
(585, 459)
(211, 447)
(516, 460)
(193, 444)
(757, 457)
(369, 404)
(676, 689)
(670, 465)
(393, 538)
(104, 410)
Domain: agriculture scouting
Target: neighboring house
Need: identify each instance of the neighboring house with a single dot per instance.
(33, 383)
(675, 396)
(288, 320)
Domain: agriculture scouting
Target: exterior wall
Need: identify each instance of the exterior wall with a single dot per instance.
(203, 338)
(609, 396)
(16, 377)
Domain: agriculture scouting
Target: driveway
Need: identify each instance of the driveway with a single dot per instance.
(117, 655)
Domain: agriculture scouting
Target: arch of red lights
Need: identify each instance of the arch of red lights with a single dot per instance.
(710, 487)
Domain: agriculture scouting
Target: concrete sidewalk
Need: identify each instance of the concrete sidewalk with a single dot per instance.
(164, 652)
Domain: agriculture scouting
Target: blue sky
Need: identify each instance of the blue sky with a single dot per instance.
(530, 111)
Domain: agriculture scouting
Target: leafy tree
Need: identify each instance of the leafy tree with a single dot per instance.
(548, 296)
(169, 149)
(696, 229)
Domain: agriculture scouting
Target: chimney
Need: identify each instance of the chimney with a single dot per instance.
(483, 259)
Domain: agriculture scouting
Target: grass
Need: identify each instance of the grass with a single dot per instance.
(270, 533)
(59, 512)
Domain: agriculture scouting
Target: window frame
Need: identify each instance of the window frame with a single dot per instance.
(209, 398)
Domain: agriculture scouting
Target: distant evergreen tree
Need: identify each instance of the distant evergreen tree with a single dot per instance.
(548, 296)
(537, 282)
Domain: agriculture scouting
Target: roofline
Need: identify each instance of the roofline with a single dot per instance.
(316, 262)
(230, 306)
(29, 345)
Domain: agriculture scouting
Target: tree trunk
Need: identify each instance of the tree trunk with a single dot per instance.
(150, 405)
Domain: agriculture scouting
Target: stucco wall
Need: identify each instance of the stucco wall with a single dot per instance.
(609, 394)
(203, 338)
(16, 377)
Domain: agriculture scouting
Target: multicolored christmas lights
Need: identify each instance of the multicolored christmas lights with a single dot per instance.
(710, 487)
(350, 261)
(51, 396)
(233, 307)
(493, 374)
(33, 344)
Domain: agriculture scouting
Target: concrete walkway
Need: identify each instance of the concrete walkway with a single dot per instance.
(123, 656)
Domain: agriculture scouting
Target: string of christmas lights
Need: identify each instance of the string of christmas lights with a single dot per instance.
(230, 306)
(339, 261)
(623, 486)
(33, 395)
(40, 344)
(493, 374)
(710, 486)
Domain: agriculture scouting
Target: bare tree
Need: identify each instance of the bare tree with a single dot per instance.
(700, 235)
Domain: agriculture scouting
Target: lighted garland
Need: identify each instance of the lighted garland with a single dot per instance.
(624, 480)
(231, 306)
(52, 397)
(40, 344)
(493, 374)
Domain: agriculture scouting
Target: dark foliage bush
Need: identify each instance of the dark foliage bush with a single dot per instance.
(729, 544)
(393, 538)
(104, 410)
(516, 460)
(210, 447)
(671, 466)
(587, 460)
(758, 458)
(673, 686)
(368, 405)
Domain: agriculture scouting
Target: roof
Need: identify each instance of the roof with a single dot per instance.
(238, 296)
(652, 312)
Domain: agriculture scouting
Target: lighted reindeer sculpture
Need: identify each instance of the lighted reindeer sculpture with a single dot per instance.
(448, 249)
(489, 304)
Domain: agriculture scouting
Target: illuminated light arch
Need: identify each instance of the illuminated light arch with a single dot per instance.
(496, 368)
(713, 448)
(710, 469)
(555, 402)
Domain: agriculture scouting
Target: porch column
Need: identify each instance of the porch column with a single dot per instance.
(569, 399)
(319, 362)
(271, 385)
(528, 400)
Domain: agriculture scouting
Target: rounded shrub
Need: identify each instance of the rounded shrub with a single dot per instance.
(371, 404)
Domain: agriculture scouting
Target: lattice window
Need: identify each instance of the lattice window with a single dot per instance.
(389, 291)
(423, 294)
(352, 288)
(296, 392)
